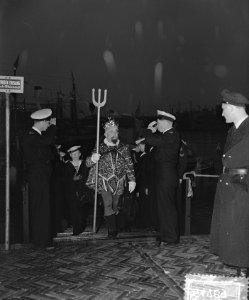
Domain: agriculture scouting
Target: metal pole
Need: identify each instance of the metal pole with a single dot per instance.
(188, 198)
(187, 230)
(7, 181)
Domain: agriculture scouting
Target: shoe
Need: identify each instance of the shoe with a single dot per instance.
(169, 243)
(164, 243)
(111, 224)
(112, 234)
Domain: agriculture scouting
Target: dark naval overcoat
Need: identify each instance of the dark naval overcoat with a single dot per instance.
(230, 221)
(38, 157)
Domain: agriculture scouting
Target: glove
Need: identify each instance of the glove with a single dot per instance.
(132, 185)
(152, 126)
(95, 157)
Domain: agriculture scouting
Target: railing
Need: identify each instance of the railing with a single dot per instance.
(189, 195)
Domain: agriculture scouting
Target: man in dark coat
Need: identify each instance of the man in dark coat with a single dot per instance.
(77, 193)
(38, 156)
(166, 155)
(230, 221)
(143, 183)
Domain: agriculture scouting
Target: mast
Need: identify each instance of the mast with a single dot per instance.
(73, 102)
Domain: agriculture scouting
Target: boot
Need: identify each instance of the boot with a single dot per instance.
(111, 225)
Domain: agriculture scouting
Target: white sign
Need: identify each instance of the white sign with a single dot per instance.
(11, 84)
(211, 287)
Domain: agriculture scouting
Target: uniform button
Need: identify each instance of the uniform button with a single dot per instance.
(220, 180)
(226, 183)
(223, 155)
(229, 156)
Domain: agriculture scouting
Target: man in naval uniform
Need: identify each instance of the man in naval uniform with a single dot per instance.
(166, 155)
(38, 156)
(230, 221)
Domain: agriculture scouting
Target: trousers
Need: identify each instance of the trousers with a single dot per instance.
(110, 203)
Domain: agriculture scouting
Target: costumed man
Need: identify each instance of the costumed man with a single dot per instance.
(230, 220)
(38, 156)
(166, 155)
(115, 164)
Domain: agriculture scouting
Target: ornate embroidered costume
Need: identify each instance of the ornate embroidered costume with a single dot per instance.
(115, 163)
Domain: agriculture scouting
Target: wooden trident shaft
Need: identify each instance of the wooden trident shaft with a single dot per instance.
(97, 104)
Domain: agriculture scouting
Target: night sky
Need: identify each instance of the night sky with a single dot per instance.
(167, 54)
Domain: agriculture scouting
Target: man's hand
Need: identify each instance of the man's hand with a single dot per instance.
(77, 177)
(95, 157)
(132, 185)
(152, 126)
(52, 121)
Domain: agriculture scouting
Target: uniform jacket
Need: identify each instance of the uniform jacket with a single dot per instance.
(142, 171)
(166, 154)
(113, 167)
(230, 222)
(76, 189)
(37, 149)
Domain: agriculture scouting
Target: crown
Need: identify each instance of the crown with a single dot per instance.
(110, 123)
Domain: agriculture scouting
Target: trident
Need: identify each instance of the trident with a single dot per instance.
(98, 104)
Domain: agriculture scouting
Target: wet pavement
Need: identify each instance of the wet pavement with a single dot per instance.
(91, 266)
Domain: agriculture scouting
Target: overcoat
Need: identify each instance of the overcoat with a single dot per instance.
(230, 220)
(114, 165)
(38, 157)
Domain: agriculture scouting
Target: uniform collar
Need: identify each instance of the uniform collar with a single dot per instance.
(167, 130)
(142, 154)
(37, 130)
(240, 122)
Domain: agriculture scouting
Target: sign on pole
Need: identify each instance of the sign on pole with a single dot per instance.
(9, 84)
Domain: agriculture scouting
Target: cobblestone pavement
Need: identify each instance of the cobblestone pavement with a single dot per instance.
(129, 267)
